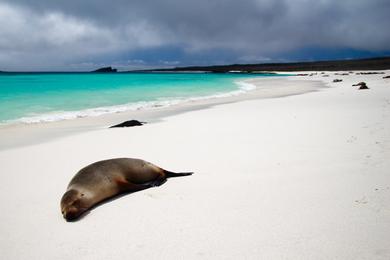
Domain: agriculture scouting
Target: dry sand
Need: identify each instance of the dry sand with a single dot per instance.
(296, 177)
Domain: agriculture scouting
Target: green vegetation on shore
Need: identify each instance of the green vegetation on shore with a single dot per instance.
(381, 63)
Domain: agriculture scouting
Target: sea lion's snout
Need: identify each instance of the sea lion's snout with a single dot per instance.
(70, 214)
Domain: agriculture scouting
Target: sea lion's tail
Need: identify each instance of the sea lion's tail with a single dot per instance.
(177, 174)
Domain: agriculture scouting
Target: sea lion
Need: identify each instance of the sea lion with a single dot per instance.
(129, 123)
(105, 179)
(362, 85)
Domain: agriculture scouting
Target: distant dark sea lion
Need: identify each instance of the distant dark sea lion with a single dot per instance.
(362, 85)
(129, 124)
(105, 179)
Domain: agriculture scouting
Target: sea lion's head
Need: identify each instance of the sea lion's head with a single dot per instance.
(73, 204)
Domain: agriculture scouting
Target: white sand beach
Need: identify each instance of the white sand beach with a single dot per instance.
(289, 177)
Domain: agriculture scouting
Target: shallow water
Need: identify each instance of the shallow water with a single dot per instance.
(45, 97)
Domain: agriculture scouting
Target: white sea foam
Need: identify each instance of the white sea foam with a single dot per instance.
(243, 87)
(246, 86)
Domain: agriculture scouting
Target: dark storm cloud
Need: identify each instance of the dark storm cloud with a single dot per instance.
(55, 34)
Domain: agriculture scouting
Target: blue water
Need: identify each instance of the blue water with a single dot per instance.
(40, 97)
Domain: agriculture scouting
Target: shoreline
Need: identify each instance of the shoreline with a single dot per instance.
(241, 87)
(22, 134)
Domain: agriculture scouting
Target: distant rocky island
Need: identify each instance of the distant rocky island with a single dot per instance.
(105, 70)
(335, 65)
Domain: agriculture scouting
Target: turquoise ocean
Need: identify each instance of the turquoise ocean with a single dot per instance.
(47, 97)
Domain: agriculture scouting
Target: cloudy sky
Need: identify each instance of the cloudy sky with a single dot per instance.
(130, 34)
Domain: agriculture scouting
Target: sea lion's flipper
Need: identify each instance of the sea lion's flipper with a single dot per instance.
(156, 183)
(169, 174)
(129, 186)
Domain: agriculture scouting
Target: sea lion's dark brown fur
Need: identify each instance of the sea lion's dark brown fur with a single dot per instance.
(105, 179)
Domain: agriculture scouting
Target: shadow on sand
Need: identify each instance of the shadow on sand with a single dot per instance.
(118, 196)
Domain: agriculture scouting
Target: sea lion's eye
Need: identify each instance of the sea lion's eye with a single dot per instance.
(82, 194)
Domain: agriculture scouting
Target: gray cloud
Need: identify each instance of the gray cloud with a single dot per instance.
(55, 34)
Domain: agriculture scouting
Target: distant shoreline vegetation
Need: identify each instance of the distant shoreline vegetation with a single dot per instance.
(379, 63)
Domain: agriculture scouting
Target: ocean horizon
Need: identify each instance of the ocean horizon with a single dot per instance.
(48, 97)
